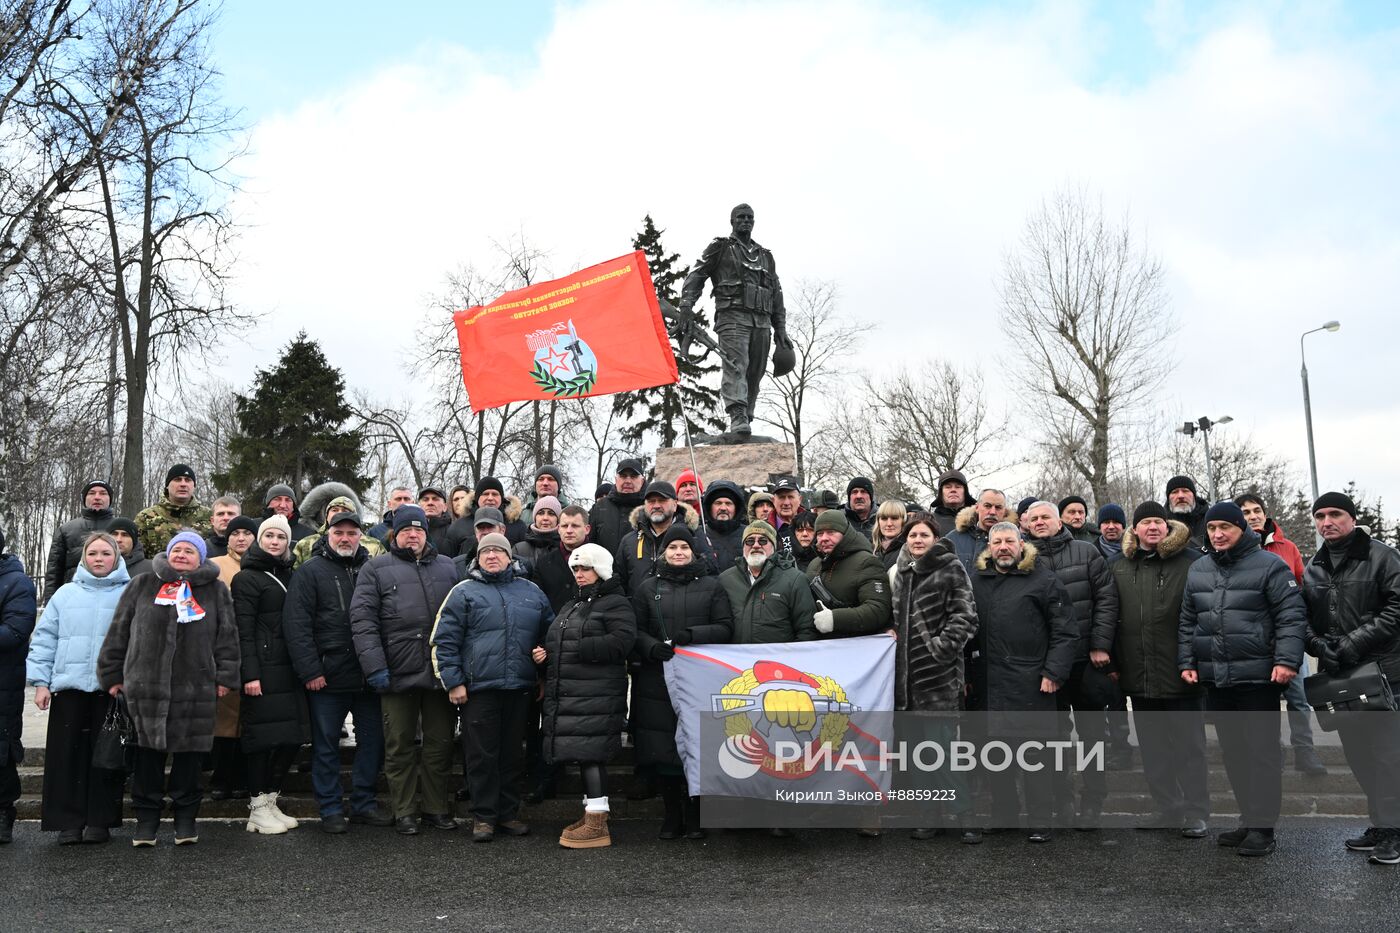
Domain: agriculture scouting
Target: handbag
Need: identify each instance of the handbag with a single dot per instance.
(1362, 689)
(115, 743)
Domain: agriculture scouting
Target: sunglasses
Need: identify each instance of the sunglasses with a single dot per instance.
(757, 542)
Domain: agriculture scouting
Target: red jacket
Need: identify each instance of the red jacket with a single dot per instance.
(1275, 542)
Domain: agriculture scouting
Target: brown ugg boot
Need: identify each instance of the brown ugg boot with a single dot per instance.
(593, 834)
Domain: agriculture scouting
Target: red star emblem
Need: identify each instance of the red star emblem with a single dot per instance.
(555, 361)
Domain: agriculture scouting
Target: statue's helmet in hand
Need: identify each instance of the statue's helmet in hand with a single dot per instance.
(784, 360)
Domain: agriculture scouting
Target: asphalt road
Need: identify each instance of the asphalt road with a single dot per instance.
(373, 879)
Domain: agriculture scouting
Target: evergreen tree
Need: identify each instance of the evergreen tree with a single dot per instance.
(663, 407)
(289, 428)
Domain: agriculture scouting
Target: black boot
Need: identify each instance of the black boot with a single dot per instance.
(186, 829)
(7, 825)
(673, 796)
(147, 825)
(692, 818)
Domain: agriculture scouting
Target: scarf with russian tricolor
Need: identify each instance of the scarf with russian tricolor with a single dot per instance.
(179, 595)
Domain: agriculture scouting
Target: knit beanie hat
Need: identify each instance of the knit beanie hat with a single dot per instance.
(761, 528)
(1112, 512)
(237, 523)
(1182, 482)
(549, 504)
(835, 520)
(1067, 501)
(1150, 509)
(495, 540)
(1335, 500)
(406, 516)
(594, 556)
(93, 485)
(128, 526)
(279, 489)
(177, 471)
(678, 532)
(1226, 511)
(1025, 504)
(487, 483)
(275, 523)
(860, 482)
(190, 538)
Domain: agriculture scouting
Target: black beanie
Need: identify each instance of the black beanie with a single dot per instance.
(123, 524)
(179, 470)
(1070, 500)
(861, 482)
(1226, 511)
(95, 483)
(489, 482)
(241, 523)
(1182, 482)
(1150, 509)
(1025, 504)
(678, 531)
(1335, 500)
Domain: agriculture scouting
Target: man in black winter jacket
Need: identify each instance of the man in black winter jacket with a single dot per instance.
(610, 517)
(725, 521)
(1241, 635)
(1352, 589)
(66, 552)
(1089, 691)
(316, 625)
(1185, 506)
(1022, 654)
(396, 602)
(640, 552)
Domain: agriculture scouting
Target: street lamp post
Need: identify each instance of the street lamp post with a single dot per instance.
(1203, 426)
(1331, 327)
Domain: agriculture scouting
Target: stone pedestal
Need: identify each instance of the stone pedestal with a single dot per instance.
(745, 464)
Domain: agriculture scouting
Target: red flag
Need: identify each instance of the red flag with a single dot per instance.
(595, 332)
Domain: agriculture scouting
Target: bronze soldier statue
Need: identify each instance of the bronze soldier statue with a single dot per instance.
(748, 304)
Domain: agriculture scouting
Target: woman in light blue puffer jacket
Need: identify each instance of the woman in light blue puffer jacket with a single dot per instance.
(81, 803)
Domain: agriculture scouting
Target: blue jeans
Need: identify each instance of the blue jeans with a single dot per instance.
(1299, 722)
(328, 711)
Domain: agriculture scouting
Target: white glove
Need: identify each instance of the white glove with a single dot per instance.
(824, 618)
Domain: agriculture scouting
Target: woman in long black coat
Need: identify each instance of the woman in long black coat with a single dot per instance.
(682, 605)
(273, 711)
(585, 689)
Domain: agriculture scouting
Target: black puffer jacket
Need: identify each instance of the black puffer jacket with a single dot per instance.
(934, 619)
(1025, 631)
(535, 544)
(18, 614)
(1092, 593)
(1241, 615)
(396, 602)
(278, 715)
(1150, 588)
(585, 690)
(66, 552)
(686, 606)
(316, 619)
(608, 519)
(1357, 602)
(552, 574)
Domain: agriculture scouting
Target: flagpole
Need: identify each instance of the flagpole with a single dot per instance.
(694, 467)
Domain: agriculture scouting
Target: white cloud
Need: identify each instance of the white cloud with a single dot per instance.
(884, 149)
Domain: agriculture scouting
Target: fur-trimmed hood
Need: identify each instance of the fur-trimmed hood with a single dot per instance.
(1027, 562)
(1178, 537)
(314, 504)
(511, 507)
(756, 498)
(966, 521)
(638, 520)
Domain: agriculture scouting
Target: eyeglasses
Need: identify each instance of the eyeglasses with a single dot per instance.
(757, 542)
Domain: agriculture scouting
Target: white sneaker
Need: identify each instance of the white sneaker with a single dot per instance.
(261, 818)
(284, 819)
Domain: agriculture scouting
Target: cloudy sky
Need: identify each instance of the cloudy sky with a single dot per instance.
(894, 148)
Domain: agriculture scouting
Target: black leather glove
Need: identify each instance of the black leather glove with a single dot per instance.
(683, 637)
(1327, 657)
(662, 652)
(1348, 652)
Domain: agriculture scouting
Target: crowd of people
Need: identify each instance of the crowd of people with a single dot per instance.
(528, 634)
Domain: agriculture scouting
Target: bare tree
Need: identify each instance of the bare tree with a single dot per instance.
(1089, 307)
(821, 338)
(933, 421)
